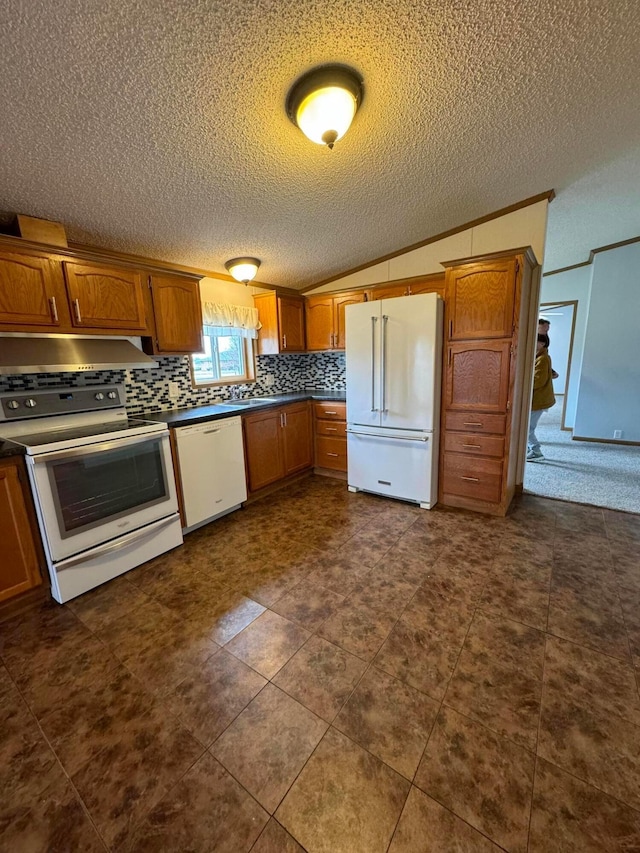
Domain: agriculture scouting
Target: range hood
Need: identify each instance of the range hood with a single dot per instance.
(68, 354)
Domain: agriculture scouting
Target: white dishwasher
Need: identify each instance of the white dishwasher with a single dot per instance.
(211, 459)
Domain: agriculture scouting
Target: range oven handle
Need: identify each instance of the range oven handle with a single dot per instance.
(99, 447)
(120, 542)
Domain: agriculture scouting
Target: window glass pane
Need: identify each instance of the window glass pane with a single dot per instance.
(203, 364)
(230, 356)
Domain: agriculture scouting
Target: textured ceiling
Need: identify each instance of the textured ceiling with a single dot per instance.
(158, 127)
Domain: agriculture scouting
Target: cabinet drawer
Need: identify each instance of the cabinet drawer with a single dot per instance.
(472, 478)
(337, 429)
(331, 453)
(473, 422)
(330, 411)
(474, 445)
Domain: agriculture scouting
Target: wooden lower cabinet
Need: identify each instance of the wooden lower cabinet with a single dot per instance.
(19, 550)
(330, 435)
(277, 443)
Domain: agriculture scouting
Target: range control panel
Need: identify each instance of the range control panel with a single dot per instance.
(60, 401)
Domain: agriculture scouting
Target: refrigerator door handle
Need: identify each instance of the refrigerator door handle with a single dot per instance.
(392, 437)
(374, 320)
(383, 381)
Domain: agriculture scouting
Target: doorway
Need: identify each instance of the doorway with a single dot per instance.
(562, 317)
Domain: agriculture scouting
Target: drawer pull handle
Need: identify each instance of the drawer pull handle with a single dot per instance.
(332, 454)
(331, 429)
(54, 310)
(471, 423)
(475, 446)
(76, 308)
(471, 479)
(331, 413)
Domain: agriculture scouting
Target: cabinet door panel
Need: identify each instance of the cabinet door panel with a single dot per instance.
(178, 314)
(262, 449)
(477, 376)
(27, 291)
(19, 564)
(105, 297)
(388, 292)
(291, 322)
(297, 438)
(480, 300)
(340, 303)
(319, 312)
(431, 286)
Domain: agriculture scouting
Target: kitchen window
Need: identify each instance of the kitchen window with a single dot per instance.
(226, 359)
(228, 356)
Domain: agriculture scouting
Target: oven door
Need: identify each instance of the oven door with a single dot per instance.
(89, 495)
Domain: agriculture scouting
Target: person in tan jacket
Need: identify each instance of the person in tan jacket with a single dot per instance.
(543, 396)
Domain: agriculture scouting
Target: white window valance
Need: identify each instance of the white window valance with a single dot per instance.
(220, 318)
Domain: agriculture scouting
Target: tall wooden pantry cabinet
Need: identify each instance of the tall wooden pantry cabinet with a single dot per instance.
(490, 323)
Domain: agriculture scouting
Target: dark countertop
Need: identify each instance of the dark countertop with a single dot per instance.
(9, 448)
(231, 408)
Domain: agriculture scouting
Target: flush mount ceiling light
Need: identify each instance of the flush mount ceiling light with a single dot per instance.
(323, 102)
(243, 269)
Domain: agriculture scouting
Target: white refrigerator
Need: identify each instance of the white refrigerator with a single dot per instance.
(394, 364)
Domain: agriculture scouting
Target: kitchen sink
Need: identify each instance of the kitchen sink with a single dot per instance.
(254, 401)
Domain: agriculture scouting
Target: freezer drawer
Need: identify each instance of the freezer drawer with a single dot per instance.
(400, 466)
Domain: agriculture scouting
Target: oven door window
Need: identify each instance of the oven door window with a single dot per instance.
(95, 487)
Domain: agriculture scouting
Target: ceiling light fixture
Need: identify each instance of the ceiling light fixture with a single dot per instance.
(323, 102)
(243, 269)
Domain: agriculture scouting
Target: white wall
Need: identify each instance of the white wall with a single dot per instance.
(609, 390)
(524, 227)
(567, 286)
(231, 292)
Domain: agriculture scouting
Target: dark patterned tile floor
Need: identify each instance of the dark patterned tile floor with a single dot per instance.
(327, 671)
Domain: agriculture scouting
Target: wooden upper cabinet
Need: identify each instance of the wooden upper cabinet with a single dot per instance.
(106, 297)
(325, 319)
(297, 442)
(477, 376)
(282, 323)
(340, 302)
(319, 312)
(19, 565)
(31, 291)
(480, 300)
(387, 292)
(178, 315)
(291, 321)
(432, 284)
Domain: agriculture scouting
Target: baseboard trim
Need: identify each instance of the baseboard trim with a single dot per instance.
(605, 440)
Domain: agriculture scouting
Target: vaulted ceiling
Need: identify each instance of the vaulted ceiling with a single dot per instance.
(158, 127)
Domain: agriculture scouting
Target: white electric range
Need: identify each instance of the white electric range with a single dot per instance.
(102, 483)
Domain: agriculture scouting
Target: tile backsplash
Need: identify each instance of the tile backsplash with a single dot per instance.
(148, 390)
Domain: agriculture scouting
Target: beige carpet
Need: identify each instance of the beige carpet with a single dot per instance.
(586, 472)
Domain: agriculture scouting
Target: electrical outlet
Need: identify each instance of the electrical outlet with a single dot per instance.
(617, 433)
(174, 390)
(269, 379)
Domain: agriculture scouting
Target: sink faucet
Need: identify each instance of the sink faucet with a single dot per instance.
(234, 392)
